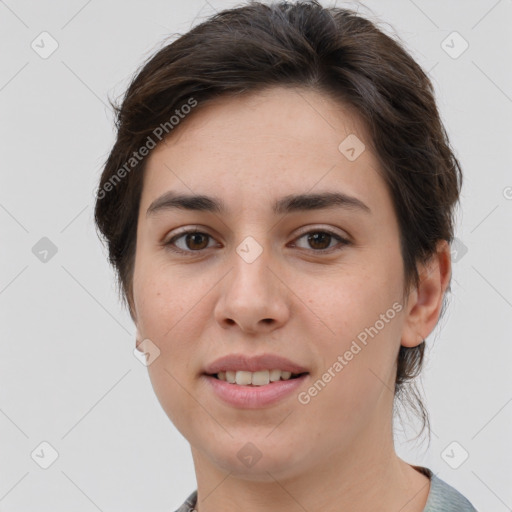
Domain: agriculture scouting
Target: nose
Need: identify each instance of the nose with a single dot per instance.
(253, 295)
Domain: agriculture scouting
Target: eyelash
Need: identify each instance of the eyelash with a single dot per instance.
(170, 244)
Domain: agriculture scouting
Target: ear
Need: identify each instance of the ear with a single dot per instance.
(424, 302)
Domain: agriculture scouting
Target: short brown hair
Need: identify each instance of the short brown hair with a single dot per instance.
(332, 50)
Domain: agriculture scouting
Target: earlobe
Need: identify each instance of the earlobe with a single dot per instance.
(425, 301)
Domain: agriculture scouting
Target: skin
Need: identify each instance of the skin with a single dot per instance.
(336, 452)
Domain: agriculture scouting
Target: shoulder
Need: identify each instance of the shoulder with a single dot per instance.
(441, 498)
(189, 504)
(444, 498)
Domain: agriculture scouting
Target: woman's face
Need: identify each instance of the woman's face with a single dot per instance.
(255, 281)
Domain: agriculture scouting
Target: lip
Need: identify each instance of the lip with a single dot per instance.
(234, 362)
(254, 397)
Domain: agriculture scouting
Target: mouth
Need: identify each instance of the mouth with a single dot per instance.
(255, 379)
(254, 390)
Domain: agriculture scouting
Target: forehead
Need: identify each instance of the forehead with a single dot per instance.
(251, 145)
(273, 115)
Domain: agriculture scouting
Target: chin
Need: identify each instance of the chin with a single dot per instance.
(259, 460)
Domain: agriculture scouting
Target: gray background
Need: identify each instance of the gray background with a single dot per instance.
(68, 373)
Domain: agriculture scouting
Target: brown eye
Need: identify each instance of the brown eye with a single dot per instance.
(320, 241)
(196, 240)
(189, 242)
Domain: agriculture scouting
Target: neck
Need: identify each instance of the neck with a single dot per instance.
(366, 475)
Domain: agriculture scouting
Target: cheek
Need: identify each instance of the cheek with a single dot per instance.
(166, 317)
(161, 298)
(343, 307)
(364, 311)
(163, 316)
(351, 301)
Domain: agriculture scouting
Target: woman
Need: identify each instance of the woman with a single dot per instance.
(278, 207)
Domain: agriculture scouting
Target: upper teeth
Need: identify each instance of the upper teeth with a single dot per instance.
(255, 378)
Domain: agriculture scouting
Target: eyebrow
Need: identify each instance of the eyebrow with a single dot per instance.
(288, 204)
